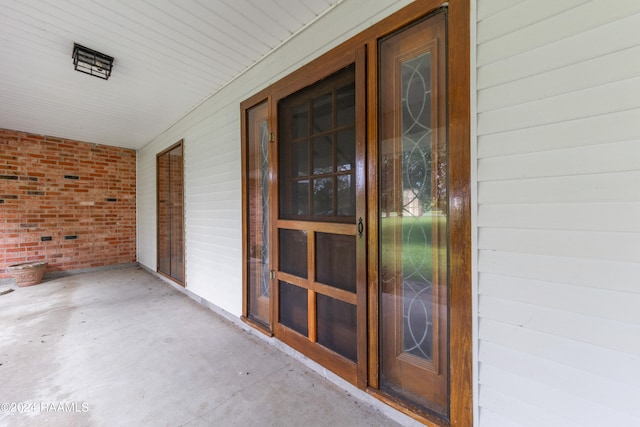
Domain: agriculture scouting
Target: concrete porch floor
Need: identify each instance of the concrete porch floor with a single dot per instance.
(123, 348)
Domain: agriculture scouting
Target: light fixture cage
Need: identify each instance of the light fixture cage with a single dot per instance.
(92, 62)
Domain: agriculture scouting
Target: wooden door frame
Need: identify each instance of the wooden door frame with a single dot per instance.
(291, 84)
(425, 36)
(460, 293)
(245, 106)
(459, 196)
(182, 283)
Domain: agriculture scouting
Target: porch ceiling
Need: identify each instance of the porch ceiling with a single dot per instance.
(170, 55)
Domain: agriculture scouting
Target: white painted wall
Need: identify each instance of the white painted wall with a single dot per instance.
(558, 123)
(212, 158)
(558, 201)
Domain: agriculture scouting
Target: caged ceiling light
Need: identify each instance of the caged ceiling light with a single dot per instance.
(91, 62)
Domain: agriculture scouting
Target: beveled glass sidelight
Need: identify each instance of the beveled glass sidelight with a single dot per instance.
(258, 214)
(413, 215)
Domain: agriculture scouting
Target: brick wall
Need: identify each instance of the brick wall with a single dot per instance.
(56, 188)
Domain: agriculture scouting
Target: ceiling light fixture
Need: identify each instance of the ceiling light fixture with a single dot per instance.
(91, 62)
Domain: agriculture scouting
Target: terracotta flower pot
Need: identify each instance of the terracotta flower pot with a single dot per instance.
(28, 273)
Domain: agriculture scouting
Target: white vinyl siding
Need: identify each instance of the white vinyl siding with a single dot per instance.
(558, 215)
(212, 146)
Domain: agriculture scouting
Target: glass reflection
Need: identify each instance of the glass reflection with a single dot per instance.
(317, 150)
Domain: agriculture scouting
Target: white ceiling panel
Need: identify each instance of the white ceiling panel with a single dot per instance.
(170, 55)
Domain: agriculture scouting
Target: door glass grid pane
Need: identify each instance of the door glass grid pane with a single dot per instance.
(300, 115)
(294, 308)
(317, 165)
(300, 155)
(293, 252)
(346, 195)
(336, 260)
(300, 197)
(323, 196)
(346, 105)
(337, 326)
(322, 155)
(322, 113)
(346, 150)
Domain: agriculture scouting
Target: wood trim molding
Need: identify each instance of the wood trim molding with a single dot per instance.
(364, 47)
(460, 294)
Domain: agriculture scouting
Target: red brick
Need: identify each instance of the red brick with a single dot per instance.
(106, 231)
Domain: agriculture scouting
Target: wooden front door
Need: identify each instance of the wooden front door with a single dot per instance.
(319, 234)
(356, 208)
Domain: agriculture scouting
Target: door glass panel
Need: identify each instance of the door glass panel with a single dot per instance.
(330, 167)
(346, 157)
(346, 151)
(316, 223)
(322, 112)
(322, 155)
(413, 215)
(258, 213)
(294, 307)
(300, 126)
(336, 260)
(300, 164)
(323, 197)
(293, 252)
(346, 195)
(337, 326)
(300, 197)
(346, 105)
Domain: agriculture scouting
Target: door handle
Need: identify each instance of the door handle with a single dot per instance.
(360, 227)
